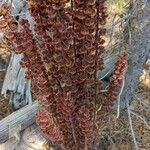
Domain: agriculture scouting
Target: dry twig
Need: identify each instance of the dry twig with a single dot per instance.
(131, 125)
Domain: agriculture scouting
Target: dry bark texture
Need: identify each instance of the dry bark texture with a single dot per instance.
(11, 125)
(139, 48)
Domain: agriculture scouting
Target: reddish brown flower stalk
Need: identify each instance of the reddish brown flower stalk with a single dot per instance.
(86, 126)
(114, 86)
(89, 51)
(65, 108)
(31, 61)
(48, 126)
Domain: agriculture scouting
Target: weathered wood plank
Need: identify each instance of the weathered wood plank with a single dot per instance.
(15, 82)
(31, 138)
(19, 120)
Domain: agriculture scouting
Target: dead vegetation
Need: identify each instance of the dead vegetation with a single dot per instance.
(115, 134)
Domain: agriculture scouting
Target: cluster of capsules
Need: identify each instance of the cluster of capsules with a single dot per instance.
(115, 84)
(71, 47)
(62, 55)
(48, 126)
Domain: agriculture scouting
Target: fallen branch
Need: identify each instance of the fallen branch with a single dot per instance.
(142, 118)
(22, 118)
(131, 126)
(141, 101)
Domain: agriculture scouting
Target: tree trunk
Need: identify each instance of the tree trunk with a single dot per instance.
(139, 48)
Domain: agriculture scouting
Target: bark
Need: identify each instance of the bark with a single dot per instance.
(139, 48)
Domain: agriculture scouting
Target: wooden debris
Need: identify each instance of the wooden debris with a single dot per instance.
(15, 82)
(21, 119)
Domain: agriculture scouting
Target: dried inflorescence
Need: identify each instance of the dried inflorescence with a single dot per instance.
(23, 42)
(114, 85)
(65, 108)
(48, 126)
(61, 55)
(86, 125)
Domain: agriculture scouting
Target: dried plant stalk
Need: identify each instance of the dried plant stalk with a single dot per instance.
(62, 55)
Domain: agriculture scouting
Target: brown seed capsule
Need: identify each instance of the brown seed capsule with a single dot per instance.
(3, 23)
(9, 35)
(3, 10)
